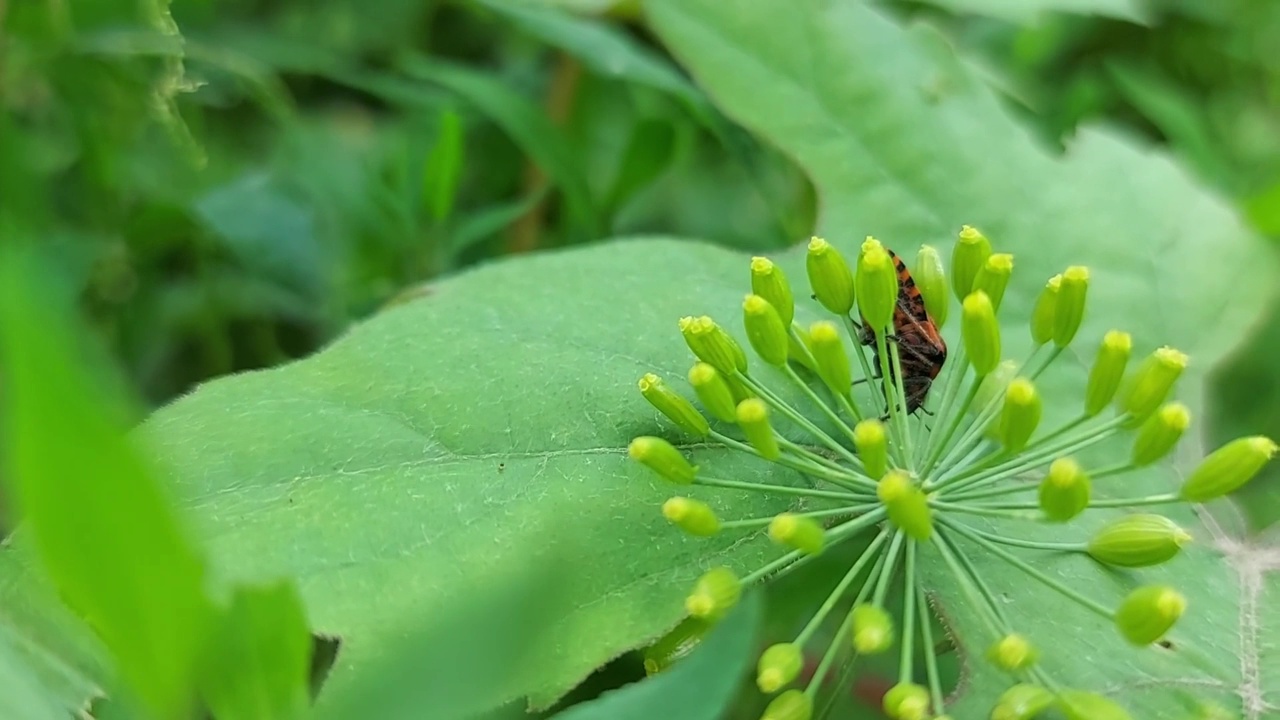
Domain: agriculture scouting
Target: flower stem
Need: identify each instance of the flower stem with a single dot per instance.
(886, 570)
(803, 462)
(866, 557)
(780, 489)
(832, 415)
(842, 632)
(1117, 469)
(903, 418)
(984, 511)
(930, 654)
(974, 434)
(1162, 499)
(1027, 568)
(893, 399)
(1032, 544)
(790, 413)
(939, 446)
(987, 610)
(761, 522)
(852, 328)
(907, 660)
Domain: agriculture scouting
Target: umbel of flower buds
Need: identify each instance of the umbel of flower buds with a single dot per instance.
(769, 282)
(969, 255)
(790, 705)
(932, 282)
(1138, 541)
(1020, 414)
(674, 405)
(829, 356)
(753, 418)
(906, 701)
(693, 516)
(1228, 468)
(797, 532)
(713, 392)
(768, 336)
(1160, 433)
(906, 503)
(980, 332)
(1042, 313)
(1148, 613)
(829, 276)
(876, 285)
(1022, 702)
(711, 344)
(715, 593)
(779, 665)
(1012, 653)
(1152, 382)
(993, 277)
(1107, 371)
(870, 439)
(663, 458)
(1064, 492)
(872, 629)
(1068, 311)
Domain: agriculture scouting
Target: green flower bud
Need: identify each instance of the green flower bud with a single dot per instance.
(993, 385)
(1160, 433)
(967, 258)
(993, 277)
(692, 516)
(1152, 382)
(798, 349)
(790, 705)
(753, 418)
(712, 345)
(675, 645)
(1013, 653)
(715, 593)
(661, 457)
(1107, 371)
(768, 336)
(779, 665)
(713, 392)
(980, 332)
(829, 355)
(1138, 541)
(876, 284)
(1064, 492)
(797, 532)
(1020, 414)
(672, 404)
(1148, 612)
(932, 281)
(769, 282)
(907, 701)
(1081, 705)
(1043, 312)
(1228, 468)
(873, 447)
(872, 629)
(1068, 312)
(907, 505)
(829, 276)
(1022, 702)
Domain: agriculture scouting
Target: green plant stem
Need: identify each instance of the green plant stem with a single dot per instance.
(1032, 544)
(934, 678)
(1027, 568)
(975, 433)
(982, 511)
(1162, 499)
(832, 415)
(992, 492)
(997, 608)
(852, 328)
(842, 395)
(950, 392)
(940, 445)
(780, 489)
(806, 463)
(894, 403)
(905, 419)
(761, 522)
(907, 660)
(838, 592)
(790, 413)
(986, 610)
(1029, 461)
(1117, 469)
(886, 570)
(842, 633)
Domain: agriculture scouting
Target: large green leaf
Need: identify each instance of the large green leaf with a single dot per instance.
(903, 142)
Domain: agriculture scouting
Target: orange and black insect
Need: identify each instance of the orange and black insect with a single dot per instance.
(921, 349)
